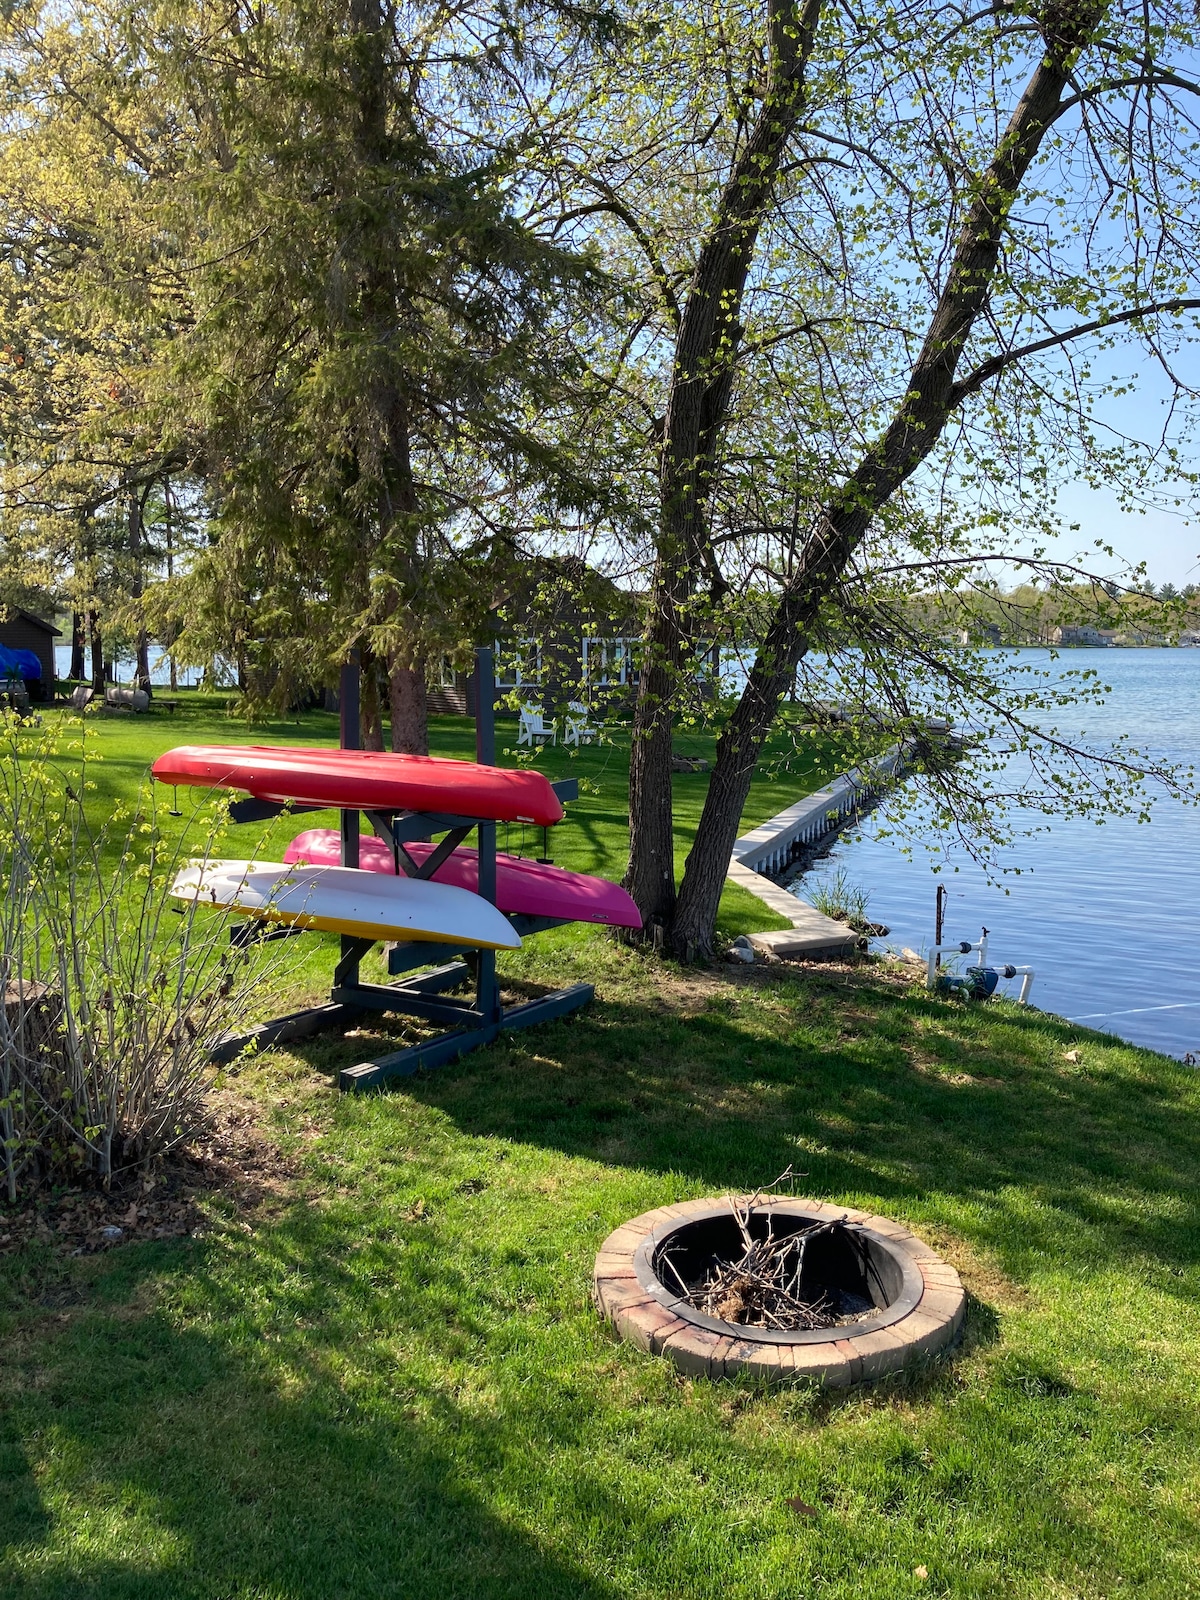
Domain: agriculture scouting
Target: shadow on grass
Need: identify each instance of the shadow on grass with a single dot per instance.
(24, 1520)
(201, 1466)
(369, 1398)
(873, 1091)
(324, 1425)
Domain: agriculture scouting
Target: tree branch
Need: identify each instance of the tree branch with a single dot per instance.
(618, 209)
(989, 369)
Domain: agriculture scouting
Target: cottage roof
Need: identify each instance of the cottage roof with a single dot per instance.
(36, 622)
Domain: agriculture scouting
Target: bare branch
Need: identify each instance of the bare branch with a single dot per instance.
(989, 369)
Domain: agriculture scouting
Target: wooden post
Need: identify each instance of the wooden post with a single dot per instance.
(30, 1056)
(349, 690)
(939, 920)
(350, 738)
(485, 754)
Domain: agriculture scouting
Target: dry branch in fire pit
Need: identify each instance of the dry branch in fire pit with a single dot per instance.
(764, 1287)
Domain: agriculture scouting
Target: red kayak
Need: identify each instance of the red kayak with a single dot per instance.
(365, 780)
(527, 888)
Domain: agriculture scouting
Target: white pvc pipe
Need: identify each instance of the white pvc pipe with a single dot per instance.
(961, 947)
(1026, 976)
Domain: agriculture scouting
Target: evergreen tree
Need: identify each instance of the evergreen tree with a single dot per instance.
(340, 329)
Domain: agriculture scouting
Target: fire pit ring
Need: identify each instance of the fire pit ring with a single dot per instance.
(918, 1298)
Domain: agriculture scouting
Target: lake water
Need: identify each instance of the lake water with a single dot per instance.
(160, 671)
(1108, 916)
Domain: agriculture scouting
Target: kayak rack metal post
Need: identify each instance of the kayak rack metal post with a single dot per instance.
(471, 1023)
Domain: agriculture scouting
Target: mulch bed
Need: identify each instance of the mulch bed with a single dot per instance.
(233, 1158)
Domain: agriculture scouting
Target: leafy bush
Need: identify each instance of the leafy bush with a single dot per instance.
(113, 992)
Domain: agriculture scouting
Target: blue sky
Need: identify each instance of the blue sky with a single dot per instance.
(1163, 535)
(1166, 541)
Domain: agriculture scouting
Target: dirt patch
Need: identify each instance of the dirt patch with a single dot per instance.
(689, 990)
(234, 1157)
(981, 1274)
(954, 1077)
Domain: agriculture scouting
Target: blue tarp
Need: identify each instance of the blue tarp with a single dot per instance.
(19, 664)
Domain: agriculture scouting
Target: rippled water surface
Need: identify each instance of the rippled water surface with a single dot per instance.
(1108, 916)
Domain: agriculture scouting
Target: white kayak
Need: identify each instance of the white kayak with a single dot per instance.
(345, 900)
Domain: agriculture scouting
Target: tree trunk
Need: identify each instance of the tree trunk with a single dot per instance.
(141, 679)
(370, 709)
(170, 573)
(77, 646)
(738, 750)
(650, 877)
(707, 347)
(410, 708)
(930, 399)
(397, 508)
(97, 644)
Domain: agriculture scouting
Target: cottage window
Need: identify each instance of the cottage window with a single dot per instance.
(518, 663)
(607, 662)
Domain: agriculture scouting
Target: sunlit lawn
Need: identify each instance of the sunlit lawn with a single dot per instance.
(391, 1382)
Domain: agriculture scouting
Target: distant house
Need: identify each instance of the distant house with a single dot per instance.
(981, 633)
(21, 630)
(1080, 635)
(574, 636)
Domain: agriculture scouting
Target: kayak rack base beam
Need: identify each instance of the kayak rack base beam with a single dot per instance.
(386, 997)
(450, 1046)
(282, 1030)
(420, 953)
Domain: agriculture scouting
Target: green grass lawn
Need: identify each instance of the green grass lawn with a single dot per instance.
(388, 1380)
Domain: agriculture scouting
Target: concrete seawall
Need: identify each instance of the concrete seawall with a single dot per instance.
(771, 847)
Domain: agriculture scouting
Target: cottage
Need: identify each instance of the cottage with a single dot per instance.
(572, 636)
(1081, 635)
(21, 630)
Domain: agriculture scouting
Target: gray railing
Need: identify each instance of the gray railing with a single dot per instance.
(771, 848)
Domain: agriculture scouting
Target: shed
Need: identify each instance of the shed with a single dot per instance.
(21, 630)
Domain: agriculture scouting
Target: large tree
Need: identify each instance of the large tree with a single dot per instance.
(872, 356)
(346, 332)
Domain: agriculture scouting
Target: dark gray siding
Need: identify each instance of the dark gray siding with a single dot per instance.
(24, 632)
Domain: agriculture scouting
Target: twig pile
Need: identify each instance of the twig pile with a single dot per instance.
(763, 1286)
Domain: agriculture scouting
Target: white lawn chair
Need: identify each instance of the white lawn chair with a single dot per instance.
(533, 726)
(577, 729)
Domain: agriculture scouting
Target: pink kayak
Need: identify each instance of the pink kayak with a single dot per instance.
(526, 888)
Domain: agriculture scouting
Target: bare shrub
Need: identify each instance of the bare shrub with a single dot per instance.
(113, 992)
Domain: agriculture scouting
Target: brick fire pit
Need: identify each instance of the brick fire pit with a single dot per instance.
(918, 1301)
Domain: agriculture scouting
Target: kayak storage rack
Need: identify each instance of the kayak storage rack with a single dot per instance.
(469, 1021)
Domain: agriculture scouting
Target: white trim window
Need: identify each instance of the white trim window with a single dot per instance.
(608, 662)
(518, 663)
